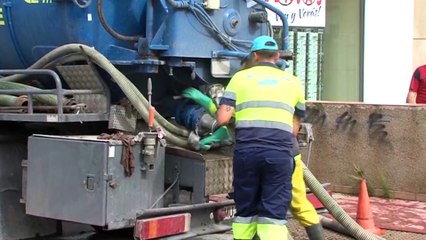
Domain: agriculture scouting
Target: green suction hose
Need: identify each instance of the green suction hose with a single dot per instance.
(43, 99)
(12, 101)
(134, 95)
(341, 216)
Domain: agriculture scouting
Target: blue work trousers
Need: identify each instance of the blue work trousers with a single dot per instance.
(262, 182)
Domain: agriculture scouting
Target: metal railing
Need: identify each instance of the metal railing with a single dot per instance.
(58, 91)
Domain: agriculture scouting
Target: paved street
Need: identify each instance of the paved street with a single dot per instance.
(296, 230)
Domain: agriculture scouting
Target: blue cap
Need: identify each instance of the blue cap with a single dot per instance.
(264, 43)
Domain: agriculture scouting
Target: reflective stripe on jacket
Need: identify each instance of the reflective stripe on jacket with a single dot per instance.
(265, 97)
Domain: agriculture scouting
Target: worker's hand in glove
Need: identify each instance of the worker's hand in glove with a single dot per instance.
(201, 99)
(219, 138)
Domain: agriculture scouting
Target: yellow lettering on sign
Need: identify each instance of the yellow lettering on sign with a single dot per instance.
(38, 1)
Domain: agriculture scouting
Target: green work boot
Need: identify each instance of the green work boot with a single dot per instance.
(315, 232)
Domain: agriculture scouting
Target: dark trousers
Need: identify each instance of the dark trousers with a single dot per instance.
(262, 182)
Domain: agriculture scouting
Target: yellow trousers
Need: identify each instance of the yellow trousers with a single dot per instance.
(300, 206)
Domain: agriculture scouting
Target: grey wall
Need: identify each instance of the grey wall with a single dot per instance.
(386, 142)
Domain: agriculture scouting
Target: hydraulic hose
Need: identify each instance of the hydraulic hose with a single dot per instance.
(341, 216)
(110, 30)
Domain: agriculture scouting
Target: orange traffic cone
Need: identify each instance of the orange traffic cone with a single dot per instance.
(364, 216)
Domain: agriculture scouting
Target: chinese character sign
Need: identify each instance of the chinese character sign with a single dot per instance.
(299, 13)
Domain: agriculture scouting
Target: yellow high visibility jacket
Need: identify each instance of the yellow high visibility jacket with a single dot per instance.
(265, 98)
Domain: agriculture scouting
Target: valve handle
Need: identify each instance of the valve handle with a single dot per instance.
(151, 117)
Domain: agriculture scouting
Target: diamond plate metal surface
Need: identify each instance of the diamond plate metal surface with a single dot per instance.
(122, 119)
(80, 77)
(218, 175)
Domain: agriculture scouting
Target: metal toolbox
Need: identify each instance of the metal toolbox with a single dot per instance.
(80, 179)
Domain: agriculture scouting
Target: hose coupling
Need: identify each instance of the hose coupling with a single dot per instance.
(194, 141)
(149, 146)
(207, 124)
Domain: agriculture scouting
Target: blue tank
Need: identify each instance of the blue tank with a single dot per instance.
(170, 32)
(31, 28)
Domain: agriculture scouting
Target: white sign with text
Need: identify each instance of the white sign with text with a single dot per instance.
(299, 13)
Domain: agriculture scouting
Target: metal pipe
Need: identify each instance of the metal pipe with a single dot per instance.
(8, 6)
(149, 23)
(178, 4)
(227, 53)
(284, 33)
(149, 92)
(41, 108)
(30, 104)
(29, 91)
(173, 210)
(82, 92)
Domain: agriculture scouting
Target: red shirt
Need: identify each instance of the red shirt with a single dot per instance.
(418, 84)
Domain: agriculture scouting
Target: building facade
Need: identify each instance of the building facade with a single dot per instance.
(367, 50)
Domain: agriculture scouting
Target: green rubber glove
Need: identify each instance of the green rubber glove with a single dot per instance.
(219, 138)
(201, 99)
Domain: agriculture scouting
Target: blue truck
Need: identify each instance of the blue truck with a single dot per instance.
(93, 130)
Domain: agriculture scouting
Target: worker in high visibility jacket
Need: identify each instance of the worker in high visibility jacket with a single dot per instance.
(301, 208)
(265, 100)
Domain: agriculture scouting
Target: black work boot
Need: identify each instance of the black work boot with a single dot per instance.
(315, 232)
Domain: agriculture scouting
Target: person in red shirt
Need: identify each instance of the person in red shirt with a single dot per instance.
(417, 91)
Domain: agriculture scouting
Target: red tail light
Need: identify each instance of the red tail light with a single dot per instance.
(162, 226)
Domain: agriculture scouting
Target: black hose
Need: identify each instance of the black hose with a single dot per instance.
(110, 30)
